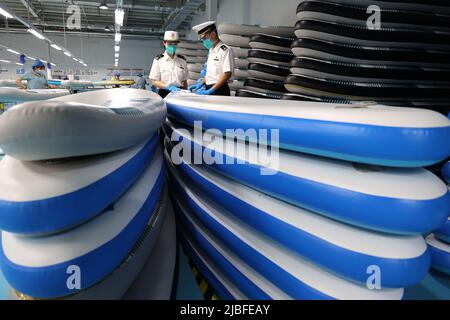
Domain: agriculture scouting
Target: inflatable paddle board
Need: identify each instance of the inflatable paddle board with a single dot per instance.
(404, 260)
(395, 37)
(235, 41)
(35, 193)
(19, 95)
(239, 74)
(254, 94)
(240, 63)
(270, 57)
(192, 53)
(109, 83)
(195, 67)
(367, 90)
(190, 59)
(265, 86)
(249, 30)
(71, 83)
(440, 254)
(155, 281)
(249, 282)
(304, 97)
(443, 233)
(37, 267)
(267, 71)
(267, 42)
(193, 45)
(355, 13)
(221, 285)
(236, 85)
(82, 124)
(446, 171)
(240, 52)
(9, 83)
(195, 75)
(345, 71)
(114, 286)
(378, 198)
(405, 137)
(294, 275)
(418, 57)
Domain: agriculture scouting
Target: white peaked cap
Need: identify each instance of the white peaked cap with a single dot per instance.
(171, 36)
(204, 27)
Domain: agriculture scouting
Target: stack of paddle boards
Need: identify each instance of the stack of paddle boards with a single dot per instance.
(336, 207)
(71, 84)
(262, 56)
(439, 241)
(196, 56)
(398, 54)
(10, 96)
(82, 195)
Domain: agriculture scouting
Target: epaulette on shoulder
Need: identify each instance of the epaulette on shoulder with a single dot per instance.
(224, 47)
(159, 56)
(181, 57)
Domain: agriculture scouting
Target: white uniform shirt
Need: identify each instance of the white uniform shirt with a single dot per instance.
(220, 60)
(170, 71)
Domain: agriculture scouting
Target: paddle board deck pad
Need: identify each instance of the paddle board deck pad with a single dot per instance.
(239, 52)
(379, 91)
(404, 260)
(267, 71)
(192, 53)
(16, 95)
(235, 41)
(271, 57)
(405, 137)
(249, 30)
(195, 67)
(249, 282)
(155, 282)
(446, 171)
(254, 94)
(351, 34)
(82, 124)
(357, 14)
(71, 83)
(241, 63)
(37, 267)
(366, 72)
(10, 83)
(35, 194)
(331, 50)
(109, 83)
(378, 198)
(193, 45)
(265, 86)
(223, 287)
(236, 85)
(268, 42)
(440, 254)
(443, 233)
(291, 273)
(115, 285)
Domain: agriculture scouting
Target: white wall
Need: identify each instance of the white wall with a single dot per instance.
(261, 12)
(97, 52)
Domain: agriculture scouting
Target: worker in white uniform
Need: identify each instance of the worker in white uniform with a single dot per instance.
(220, 64)
(169, 70)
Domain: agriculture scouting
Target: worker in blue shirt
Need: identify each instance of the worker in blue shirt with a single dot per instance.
(36, 79)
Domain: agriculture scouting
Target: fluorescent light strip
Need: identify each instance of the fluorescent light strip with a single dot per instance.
(54, 46)
(19, 64)
(5, 61)
(67, 53)
(119, 15)
(117, 37)
(117, 48)
(6, 14)
(31, 58)
(13, 51)
(36, 34)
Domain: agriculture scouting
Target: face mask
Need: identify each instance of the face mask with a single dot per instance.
(42, 73)
(171, 49)
(208, 44)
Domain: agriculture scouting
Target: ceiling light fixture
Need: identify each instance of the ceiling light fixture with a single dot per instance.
(12, 51)
(6, 14)
(119, 15)
(56, 47)
(5, 61)
(36, 34)
(67, 54)
(118, 37)
(103, 6)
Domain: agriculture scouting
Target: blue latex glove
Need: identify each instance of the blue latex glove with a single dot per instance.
(197, 86)
(205, 92)
(172, 88)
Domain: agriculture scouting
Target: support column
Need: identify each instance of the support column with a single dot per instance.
(211, 10)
